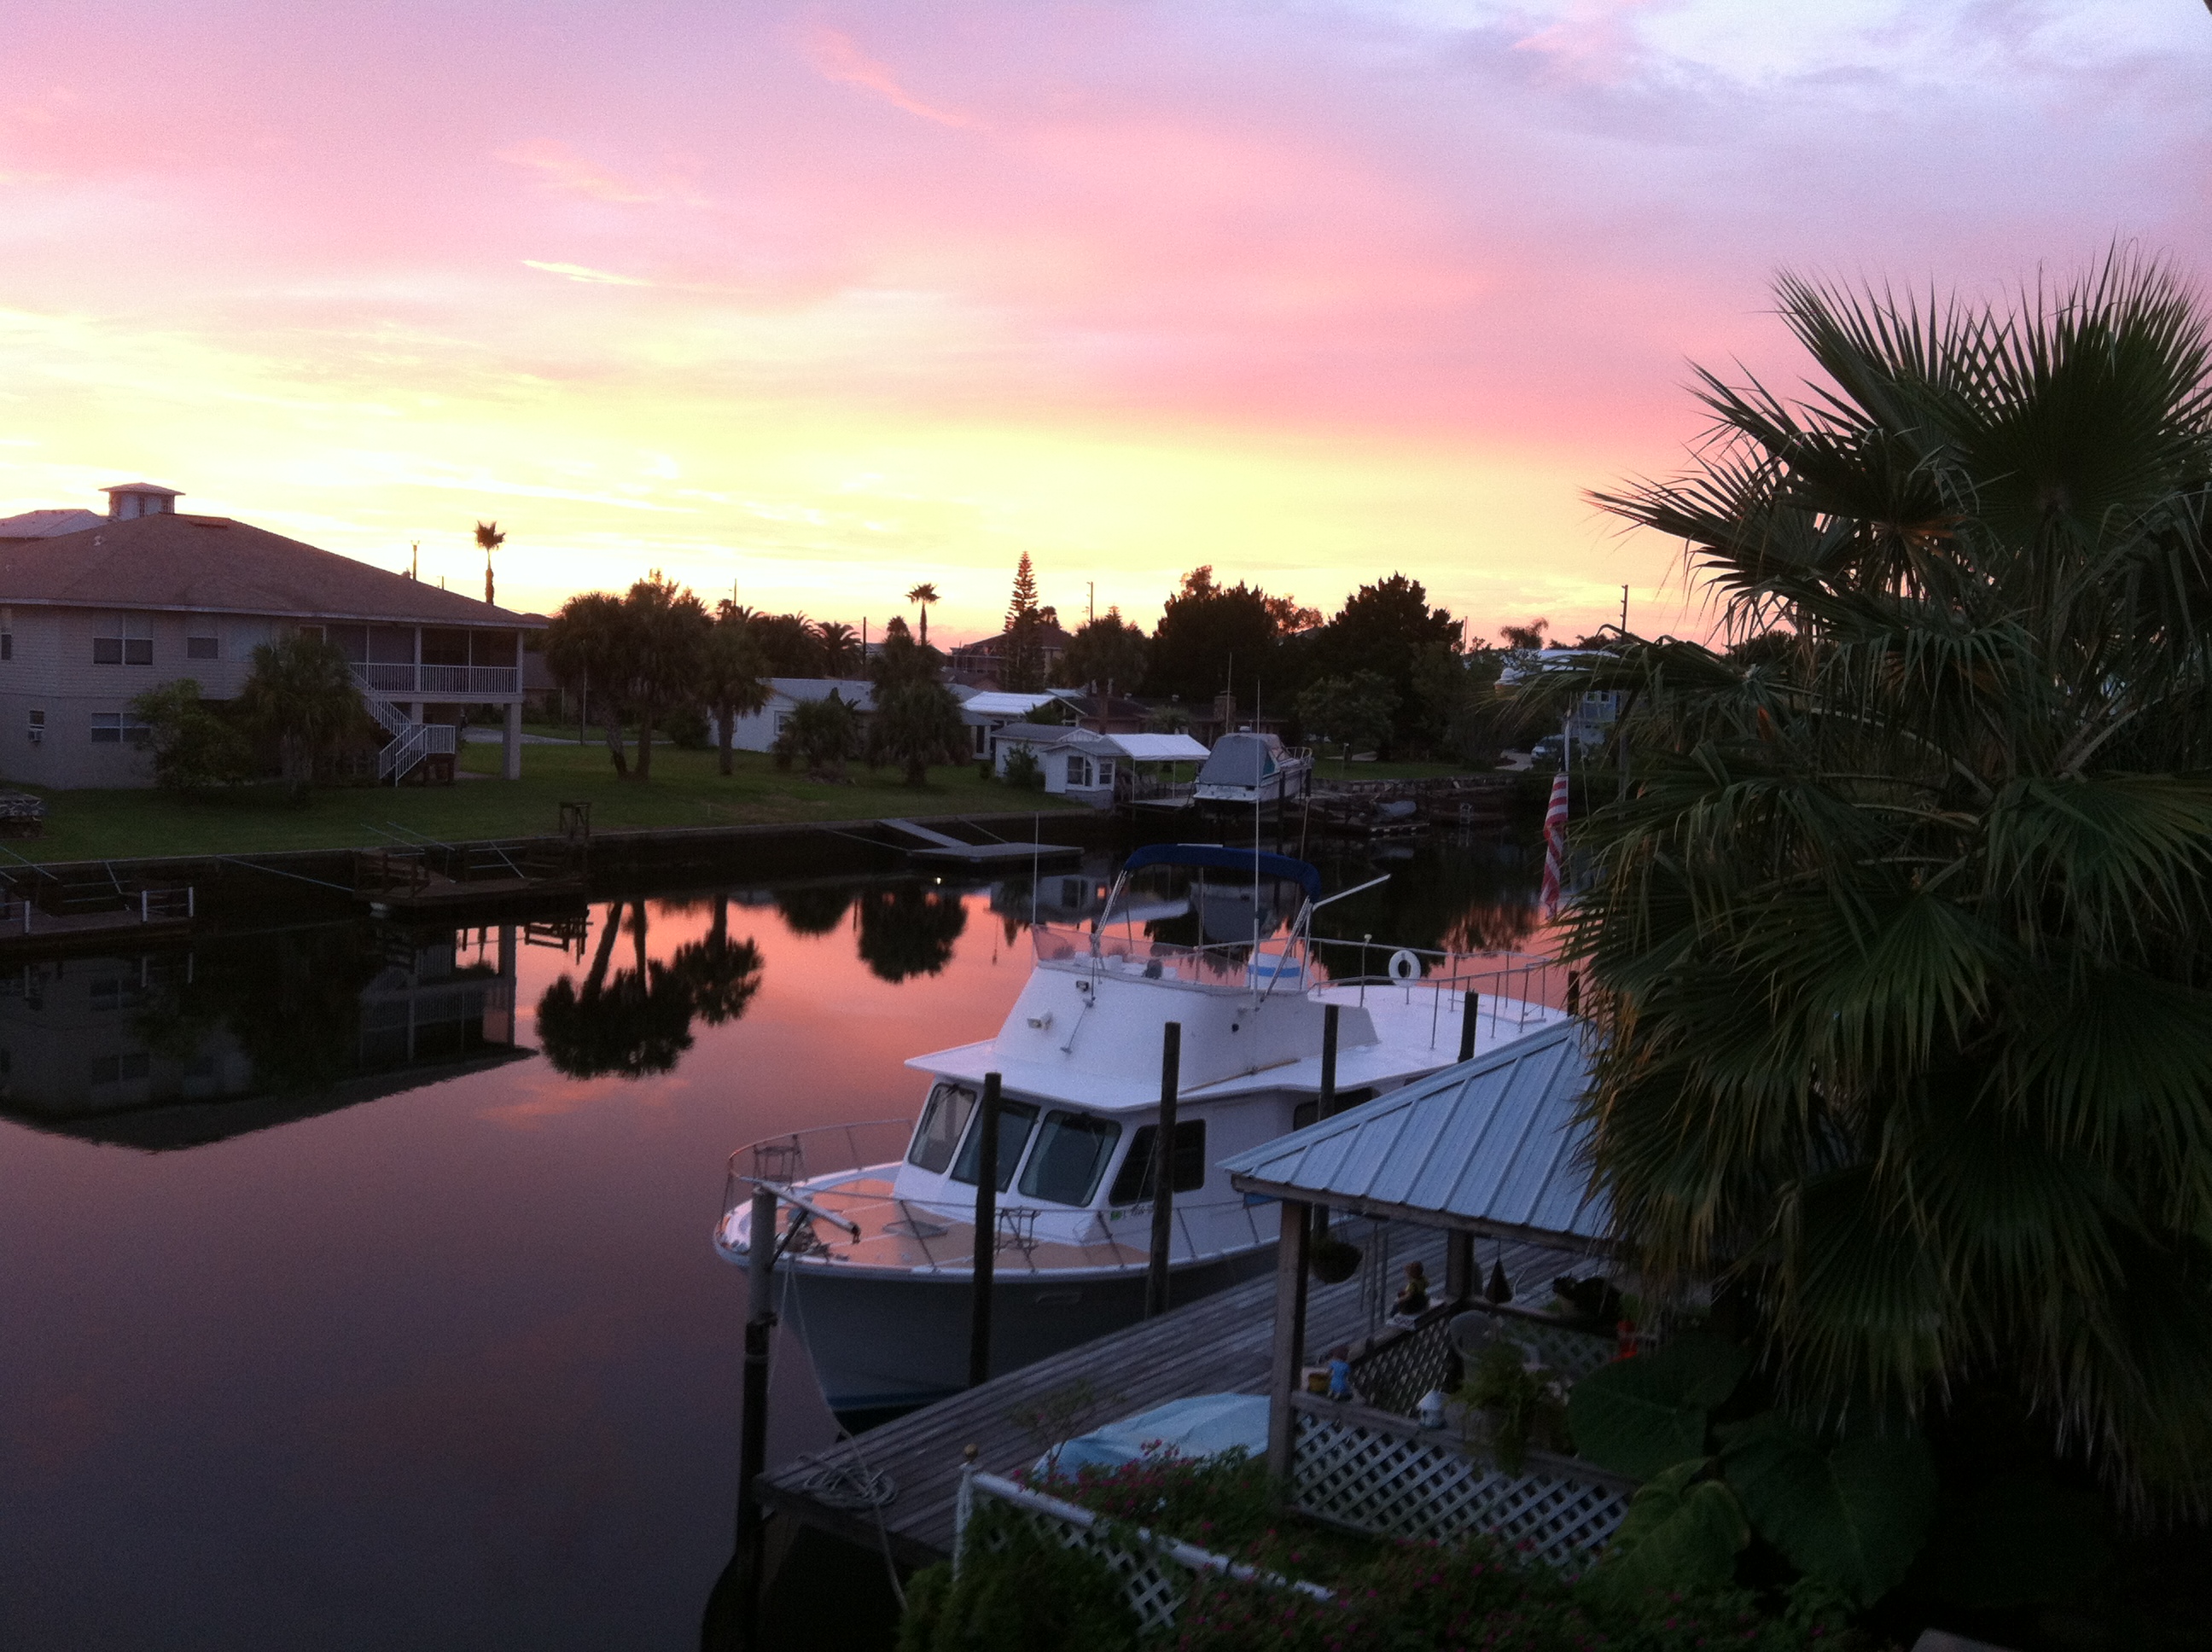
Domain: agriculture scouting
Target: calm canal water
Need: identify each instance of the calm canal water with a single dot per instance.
(355, 1281)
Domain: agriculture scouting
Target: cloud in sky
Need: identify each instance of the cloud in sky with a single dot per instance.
(1307, 291)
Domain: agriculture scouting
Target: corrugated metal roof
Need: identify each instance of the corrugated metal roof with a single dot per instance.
(1160, 748)
(1491, 1143)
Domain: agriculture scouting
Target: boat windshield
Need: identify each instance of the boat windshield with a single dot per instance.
(1071, 1155)
(1016, 1120)
(939, 1132)
(1134, 1185)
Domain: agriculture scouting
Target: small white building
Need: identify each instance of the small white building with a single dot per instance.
(986, 711)
(1079, 765)
(756, 730)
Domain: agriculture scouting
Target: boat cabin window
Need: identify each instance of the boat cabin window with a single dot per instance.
(1016, 1120)
(1133, 1184)
(1071, 1155)
(942, 1121)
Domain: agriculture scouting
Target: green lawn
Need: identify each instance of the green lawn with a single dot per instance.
(685, 791)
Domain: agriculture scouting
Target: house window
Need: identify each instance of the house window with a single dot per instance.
(7, 633)
(130, 641)
(1078, 770)
(203, 648)
(115, 728)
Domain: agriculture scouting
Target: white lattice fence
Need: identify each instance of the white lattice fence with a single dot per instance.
(1155, 1570)
(1567, 1349)
(1375, 1472)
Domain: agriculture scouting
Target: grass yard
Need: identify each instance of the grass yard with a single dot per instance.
(685, 791)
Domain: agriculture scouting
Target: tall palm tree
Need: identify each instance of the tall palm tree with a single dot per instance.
(590, 648)
(488, 536)
(731, 672)
(921, 595)
(1903, 934)
(669, 628)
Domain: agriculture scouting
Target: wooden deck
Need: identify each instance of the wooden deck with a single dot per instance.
(1218, 1344)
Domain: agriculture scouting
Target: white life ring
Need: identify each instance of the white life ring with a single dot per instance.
(1404, 966)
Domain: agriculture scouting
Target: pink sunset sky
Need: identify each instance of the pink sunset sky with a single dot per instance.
(815, 301)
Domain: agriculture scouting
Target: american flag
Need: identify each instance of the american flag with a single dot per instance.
(1555, 844)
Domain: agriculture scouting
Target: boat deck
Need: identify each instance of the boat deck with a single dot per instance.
(898, 1233)
(1219, 1345)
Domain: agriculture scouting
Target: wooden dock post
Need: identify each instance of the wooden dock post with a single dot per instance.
(1325, 1104)
(1469, 1011)
(986, 1234)
(752, 1449)
(1156, 1276)
(1288, 1360)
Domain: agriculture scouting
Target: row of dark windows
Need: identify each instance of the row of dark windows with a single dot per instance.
(128, 650)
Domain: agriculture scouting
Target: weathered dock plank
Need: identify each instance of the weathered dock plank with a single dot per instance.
(1219, 1345)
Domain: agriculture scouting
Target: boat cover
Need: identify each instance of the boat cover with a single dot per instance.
(1221, 856)
(1240, 759)
(1204, 1426)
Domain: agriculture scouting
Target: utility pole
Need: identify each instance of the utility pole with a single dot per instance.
(1623, 610)
(1090, 604)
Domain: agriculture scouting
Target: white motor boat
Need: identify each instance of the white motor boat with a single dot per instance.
(1251, 769)
(880, 1290)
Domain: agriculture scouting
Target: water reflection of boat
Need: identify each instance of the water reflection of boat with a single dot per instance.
(884, 1306)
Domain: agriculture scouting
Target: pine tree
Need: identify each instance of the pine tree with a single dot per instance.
(1022, 669)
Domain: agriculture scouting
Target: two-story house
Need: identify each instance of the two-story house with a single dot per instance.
(92, 617)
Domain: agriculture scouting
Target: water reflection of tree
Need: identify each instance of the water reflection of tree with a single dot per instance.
(1477, 897)
(908, 929)
(291, 1001)
(722, 974)
(636, 1023)
(814, 909)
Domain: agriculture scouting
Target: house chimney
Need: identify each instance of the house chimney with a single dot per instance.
(128, 499)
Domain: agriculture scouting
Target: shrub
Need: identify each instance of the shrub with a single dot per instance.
(1024, 772)
(1018, 1591)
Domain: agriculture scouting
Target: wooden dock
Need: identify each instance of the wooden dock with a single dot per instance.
(1218, 1344)
(935, 846)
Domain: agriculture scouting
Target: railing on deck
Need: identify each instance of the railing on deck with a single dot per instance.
(1364, 1469)
(1155, 1571)
(439, 679)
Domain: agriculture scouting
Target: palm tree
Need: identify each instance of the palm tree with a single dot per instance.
(1903, 936)
(590, 648)
(917, 720)
(731, 668)
(488, 536)
(301, 690)
(669, 629)
(921, 595)
(841, 647)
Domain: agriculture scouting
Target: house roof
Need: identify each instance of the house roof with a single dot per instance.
(856, 692)
(990, 702)
(1046, 736)
(211, 564)
(1492, 1145)
(46, 524)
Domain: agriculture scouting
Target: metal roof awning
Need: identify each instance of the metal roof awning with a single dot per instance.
(1491, 1146)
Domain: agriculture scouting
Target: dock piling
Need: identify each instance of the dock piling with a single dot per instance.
(752, 1451)
(1156, 1276)
(1468, 1010)
(986, 1234)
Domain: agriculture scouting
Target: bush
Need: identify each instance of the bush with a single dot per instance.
(193, 743)
(1024, 772)
(1018, 1591)
(687, 726)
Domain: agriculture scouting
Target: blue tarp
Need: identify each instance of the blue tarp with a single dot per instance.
(1201, 1427)
(1222, 857)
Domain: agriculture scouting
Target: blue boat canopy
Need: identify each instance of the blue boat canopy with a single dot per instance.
(1221, 857)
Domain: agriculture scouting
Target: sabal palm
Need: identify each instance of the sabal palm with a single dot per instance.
(488, 539)
(921, 595)
(1903, 934)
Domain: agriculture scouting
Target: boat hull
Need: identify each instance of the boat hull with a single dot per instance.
(881, 1339)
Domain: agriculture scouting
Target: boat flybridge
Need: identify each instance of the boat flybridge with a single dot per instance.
(878, 1247)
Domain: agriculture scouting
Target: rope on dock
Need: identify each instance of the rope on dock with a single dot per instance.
(850, 1484)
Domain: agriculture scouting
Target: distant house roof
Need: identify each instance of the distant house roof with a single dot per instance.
(47, 525)
(210, 564)
(1491, 1146)
(1159, 748)
(990, 702)
(856, 692)
(1046, 736)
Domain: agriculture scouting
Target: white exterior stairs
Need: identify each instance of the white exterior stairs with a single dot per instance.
(411, 742)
